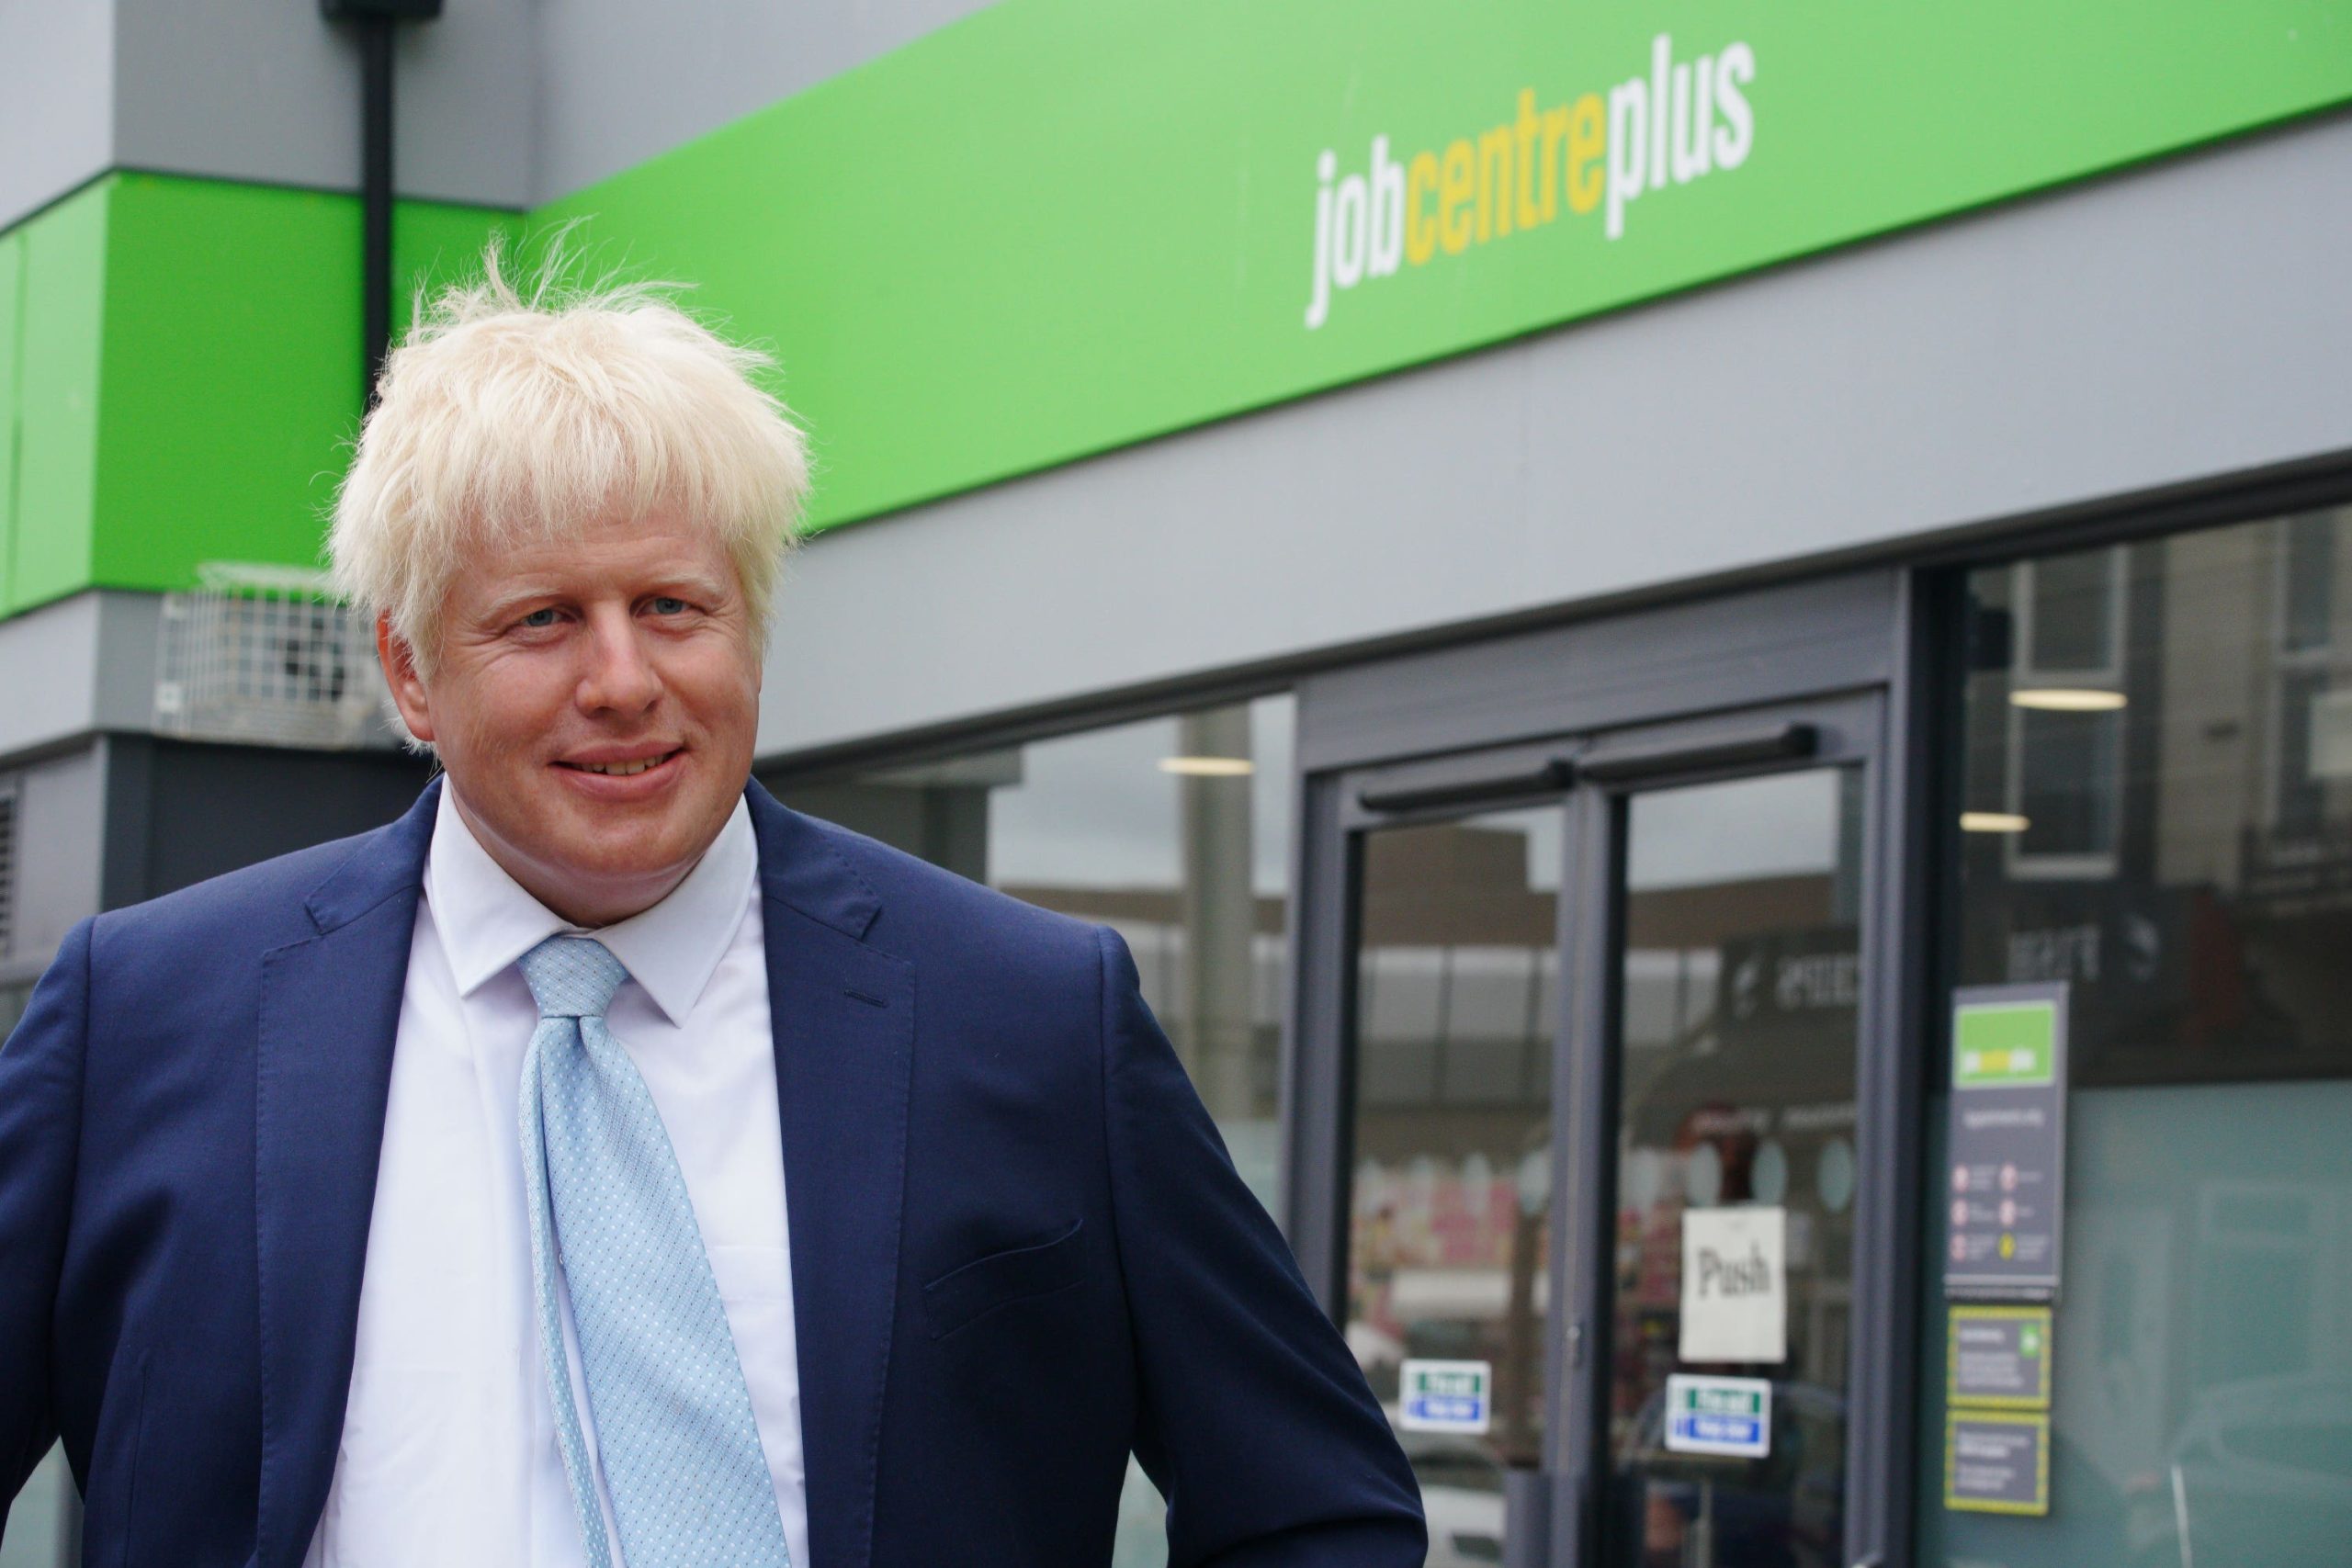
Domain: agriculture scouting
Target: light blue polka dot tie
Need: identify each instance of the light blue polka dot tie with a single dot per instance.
(681, 1452)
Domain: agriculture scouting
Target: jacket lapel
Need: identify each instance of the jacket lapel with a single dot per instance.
(843, 1018)
(330, 1009)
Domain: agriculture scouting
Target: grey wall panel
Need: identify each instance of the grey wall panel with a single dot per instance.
(77, 667)
(622, 81)
(52, 660)
(56, 93)
(2182, 322)
(61, 815)
(265, 90)
(501, 102)
(1808, 638)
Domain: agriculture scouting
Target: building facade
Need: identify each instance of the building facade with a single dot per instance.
(1575, 584)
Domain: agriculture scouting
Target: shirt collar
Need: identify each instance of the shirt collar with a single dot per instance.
(488, 922)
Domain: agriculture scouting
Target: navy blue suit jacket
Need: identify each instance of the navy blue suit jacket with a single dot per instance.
(1018, 1248)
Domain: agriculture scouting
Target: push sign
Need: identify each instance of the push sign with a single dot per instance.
(1730, 1417)
(1446, 1396)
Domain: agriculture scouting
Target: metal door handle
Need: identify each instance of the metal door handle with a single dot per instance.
(1774, 743)
(1552, 775)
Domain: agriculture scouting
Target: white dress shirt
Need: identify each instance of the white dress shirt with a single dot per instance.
(450, 1456)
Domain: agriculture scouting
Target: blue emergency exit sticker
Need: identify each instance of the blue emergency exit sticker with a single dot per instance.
(1446, 1396)
(1728, 1416)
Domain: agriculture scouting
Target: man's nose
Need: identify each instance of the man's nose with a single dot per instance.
(620, 676)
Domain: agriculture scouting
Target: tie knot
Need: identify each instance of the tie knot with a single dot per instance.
(572, 976)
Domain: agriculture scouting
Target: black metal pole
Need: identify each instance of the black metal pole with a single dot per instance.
(375, 198)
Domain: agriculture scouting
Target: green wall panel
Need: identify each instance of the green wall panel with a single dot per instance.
(187, 378)
(232, 348)
(232, 367)
(1059, 226)
(12, 303)
(62, 315)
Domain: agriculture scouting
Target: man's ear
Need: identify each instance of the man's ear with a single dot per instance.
(399, 661)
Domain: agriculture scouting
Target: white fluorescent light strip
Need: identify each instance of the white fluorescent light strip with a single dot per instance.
(1208, 767)
(2067, 699)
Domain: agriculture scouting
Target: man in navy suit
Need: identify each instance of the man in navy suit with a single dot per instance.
(603, 1163)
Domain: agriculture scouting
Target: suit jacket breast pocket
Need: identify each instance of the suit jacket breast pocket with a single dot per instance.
(1017, 1274)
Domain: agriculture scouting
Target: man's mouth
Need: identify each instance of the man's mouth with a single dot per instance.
(622, 770)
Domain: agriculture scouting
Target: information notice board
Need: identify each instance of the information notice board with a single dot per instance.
(2004, 1173)
(2005, 1182)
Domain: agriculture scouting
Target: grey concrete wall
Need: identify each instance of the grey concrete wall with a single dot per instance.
(621, 81)
(265, 90)
(77, 667)
(503, 102)
(56, 101)
(260, 90)
(2182, 322)
(61, 819)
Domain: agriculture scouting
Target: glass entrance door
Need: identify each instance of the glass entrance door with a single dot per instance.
(1729, 1286)
(1600, 1024)
(1456, 1007)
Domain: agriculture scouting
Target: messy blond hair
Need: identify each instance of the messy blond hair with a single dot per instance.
(507, 417)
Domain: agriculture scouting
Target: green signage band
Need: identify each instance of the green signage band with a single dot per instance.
(179, 378)
(1059, 226)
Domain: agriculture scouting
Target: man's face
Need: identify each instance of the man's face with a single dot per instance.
(593, 704)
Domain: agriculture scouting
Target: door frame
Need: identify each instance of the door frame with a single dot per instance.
(1502, 720)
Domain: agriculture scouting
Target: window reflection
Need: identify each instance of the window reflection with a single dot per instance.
(2183, 856)
(1457, 998)
(2189, 870)
(1739, 986)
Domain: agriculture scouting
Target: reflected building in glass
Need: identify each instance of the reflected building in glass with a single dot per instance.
(2159, 765)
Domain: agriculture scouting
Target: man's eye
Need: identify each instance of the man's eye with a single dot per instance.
(539, 619)
(665, 606)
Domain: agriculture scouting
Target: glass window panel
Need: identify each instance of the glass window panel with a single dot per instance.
(2310, 583)
(2066, 782)
(2073, 610)
(40, 1522)
(1740, 979)
(2302, 781)
(2207, 944)
(1457, 980)
(2201, 1383)
(2202, 1374)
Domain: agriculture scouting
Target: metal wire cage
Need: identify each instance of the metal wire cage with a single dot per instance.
(266, 653)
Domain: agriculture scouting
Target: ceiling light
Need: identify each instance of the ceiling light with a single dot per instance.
(1208, 767)
(1993, 822)
(2068, 699)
